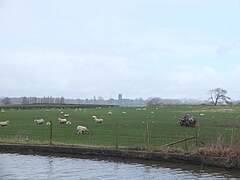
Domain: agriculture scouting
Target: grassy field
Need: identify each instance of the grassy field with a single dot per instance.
(152, 128)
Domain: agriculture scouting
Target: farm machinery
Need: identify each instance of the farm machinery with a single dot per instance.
(188, 121)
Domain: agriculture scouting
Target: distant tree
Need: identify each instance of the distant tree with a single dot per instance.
(6, 101)
(56, 100)
(51, 99)
(31, 100)
(62, 100)
(218, 95)
(34, 99)
(100, 98)
(153, 102)
(25, 100)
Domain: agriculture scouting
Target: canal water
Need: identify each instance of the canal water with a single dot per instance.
(24, 167)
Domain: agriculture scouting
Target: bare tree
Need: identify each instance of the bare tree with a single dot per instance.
(153, 102)
(217, 95)
(62, 100)
(25, 100)
(6, 101)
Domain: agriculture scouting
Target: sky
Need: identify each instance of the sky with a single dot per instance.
(138, 48)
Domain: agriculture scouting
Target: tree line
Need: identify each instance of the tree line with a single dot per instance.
(35, 100)
(216, 96)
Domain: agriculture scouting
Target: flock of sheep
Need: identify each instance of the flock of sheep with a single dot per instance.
(80, 128)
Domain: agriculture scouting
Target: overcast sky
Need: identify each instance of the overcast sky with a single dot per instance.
(139, 48)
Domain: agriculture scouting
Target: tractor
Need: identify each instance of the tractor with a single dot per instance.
(188, 122)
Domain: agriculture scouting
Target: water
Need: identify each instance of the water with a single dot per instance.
(22, 167)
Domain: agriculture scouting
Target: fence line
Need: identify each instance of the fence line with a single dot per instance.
(117, 134)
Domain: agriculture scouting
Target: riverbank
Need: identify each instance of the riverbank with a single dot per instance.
(78, 151)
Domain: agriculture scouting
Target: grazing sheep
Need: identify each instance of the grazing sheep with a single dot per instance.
(110, 113)
(48, 123)
(39, 121)
(68, 122)
(124, 112)
(62, 121)
(152, 112)
(2, 111)
(201, 114)
(66, 115)
(4, 123)
(82, 129)
(97, 120)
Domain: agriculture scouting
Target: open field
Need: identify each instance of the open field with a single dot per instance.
(152, 128)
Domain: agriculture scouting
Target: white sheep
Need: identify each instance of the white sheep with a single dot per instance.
(48, 123)
(39, 121)
(62, 121)
(4, 123)
(81, 129)
(66, 115)
(2, 111)
(97, 120)
(110, 113)
(124, 112)
(94, 117)
(68, 122)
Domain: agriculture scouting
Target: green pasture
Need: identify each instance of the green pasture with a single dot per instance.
(152, 128)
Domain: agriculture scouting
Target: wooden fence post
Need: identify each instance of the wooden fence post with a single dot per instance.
(51, 127)
(146, 139)
(197, 133)
(117, 136)
(186, 143)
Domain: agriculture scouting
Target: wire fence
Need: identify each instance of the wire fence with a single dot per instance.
(123, 135)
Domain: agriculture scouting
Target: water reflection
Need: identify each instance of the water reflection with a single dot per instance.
(50, 166)
(15, 166)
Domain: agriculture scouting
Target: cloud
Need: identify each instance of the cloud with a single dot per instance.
(137, 48)
(231, 48)
(84, 76)
(187, 75)
(45, 73)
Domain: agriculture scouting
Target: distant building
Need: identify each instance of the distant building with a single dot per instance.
(119, 99)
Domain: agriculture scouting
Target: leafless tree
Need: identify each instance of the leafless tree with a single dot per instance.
(62, 100)
(6, 101)
(217, 95)
(153, 102)
(25, 100)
